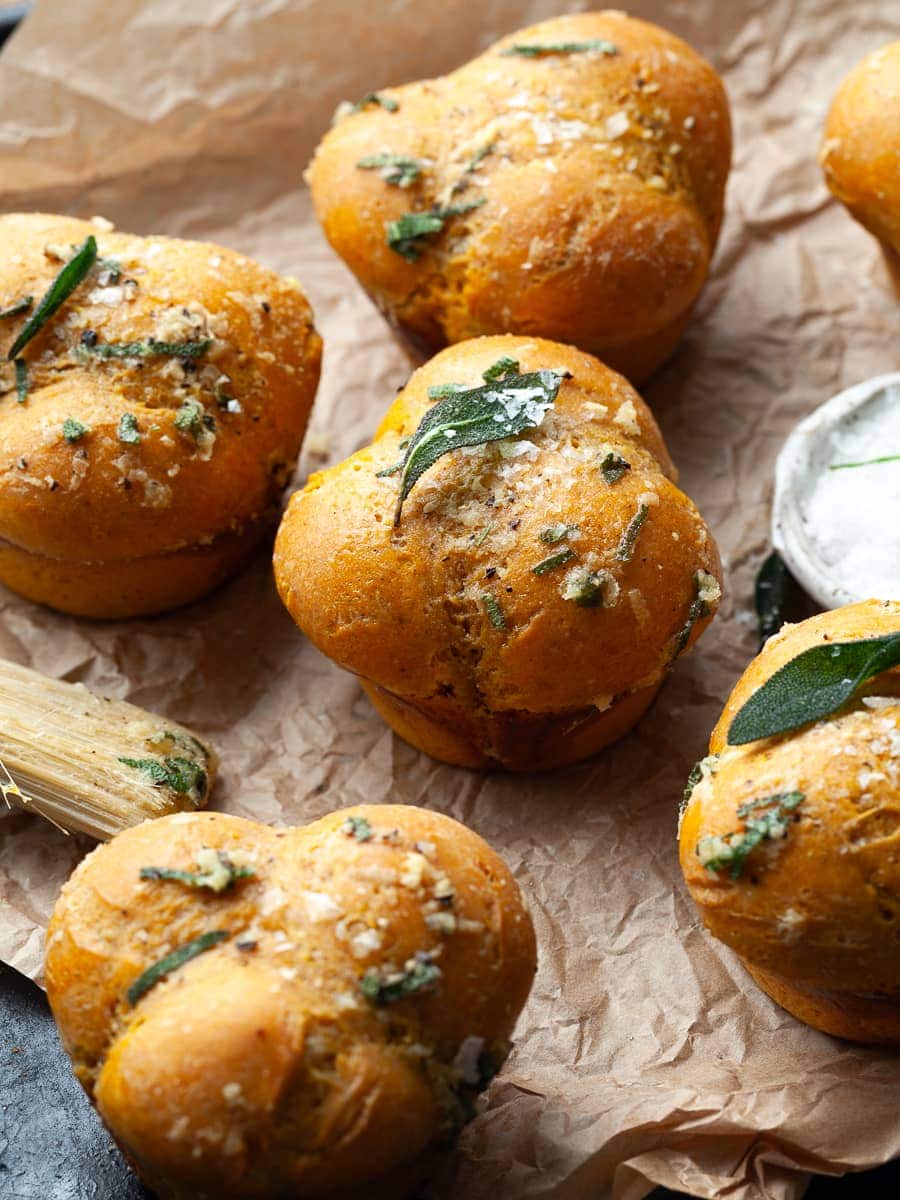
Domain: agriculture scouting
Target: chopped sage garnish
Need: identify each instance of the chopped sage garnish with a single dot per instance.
(407, 234)
(555, 533)
(440, 391)
(215, 871)
(74, 431)
(706, 766)
(384, 987)
(613, 467)
(489, 413)
(357, 827)
(180, 774)
(346, 107)
(629, 537)
(128, 431)
(21, 380)
(585, 587)
(62, 287)
(812, 686)
(536, 49)
(500, 369)
(396, 169)
(226, 401)
(478, 157)
(17, 308)
(553, 561)
(493, 610)
(485, 533)
(148, 349)
(193, 418)
(866, 462)
(172, 962)
(705, 588)
(731, 849)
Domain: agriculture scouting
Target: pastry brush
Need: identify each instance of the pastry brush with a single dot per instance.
(90, 764)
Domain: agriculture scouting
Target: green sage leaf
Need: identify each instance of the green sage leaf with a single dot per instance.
(812, 686)
(537, 49)
(408, 233)
(172, 962)
(62, 287)
(396, 169)
(472, 418)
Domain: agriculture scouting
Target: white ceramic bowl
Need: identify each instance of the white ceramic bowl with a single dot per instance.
(838, 530)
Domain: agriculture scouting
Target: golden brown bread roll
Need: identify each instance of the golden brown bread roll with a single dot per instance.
(860, 154)
(360, 979)
(530, 601)
(573, 194)
(813, 909)
(161, 411)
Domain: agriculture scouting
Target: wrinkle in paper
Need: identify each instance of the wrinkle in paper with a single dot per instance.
(645, 1056)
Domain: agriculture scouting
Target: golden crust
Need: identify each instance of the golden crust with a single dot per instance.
(95, 511)
(815, 915)
(404, 608)
(860, 153)
(260, 1069)
(603, 192)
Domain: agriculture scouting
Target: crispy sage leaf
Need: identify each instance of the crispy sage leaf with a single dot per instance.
(471, 418)
(536, 49)
(407, 234)
(21, 380)
(215, 871)
(419, 974)
(812, 686)
(396, 169)
(732, 849)
(172, 962)
(148, 349)
(57, 294)
(775, 593)
(493, 610)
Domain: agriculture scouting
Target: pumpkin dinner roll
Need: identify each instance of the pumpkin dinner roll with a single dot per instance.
(790, 838)
(509, 568)
(296, 1012)
(860, 154)
(153, 397)
(568, 183)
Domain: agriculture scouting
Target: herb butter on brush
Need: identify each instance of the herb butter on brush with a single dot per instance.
(93, 765)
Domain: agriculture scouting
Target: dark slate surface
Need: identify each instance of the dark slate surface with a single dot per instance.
(53, 1147)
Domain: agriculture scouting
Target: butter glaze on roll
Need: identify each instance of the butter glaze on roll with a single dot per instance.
(814, 914)
(108, 526)
(414, 610)
(278, 1062)
(860, 154)
(599, 180)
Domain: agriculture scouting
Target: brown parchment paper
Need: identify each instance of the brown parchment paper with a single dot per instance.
(645, 1054)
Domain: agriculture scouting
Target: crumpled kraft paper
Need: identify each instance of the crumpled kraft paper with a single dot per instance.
(645, 1055)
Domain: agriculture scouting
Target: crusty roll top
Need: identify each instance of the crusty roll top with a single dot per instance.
(860, 153)
(366, 966)
(208, 440)
(820, 904)
(416, 607)
(589, 185)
